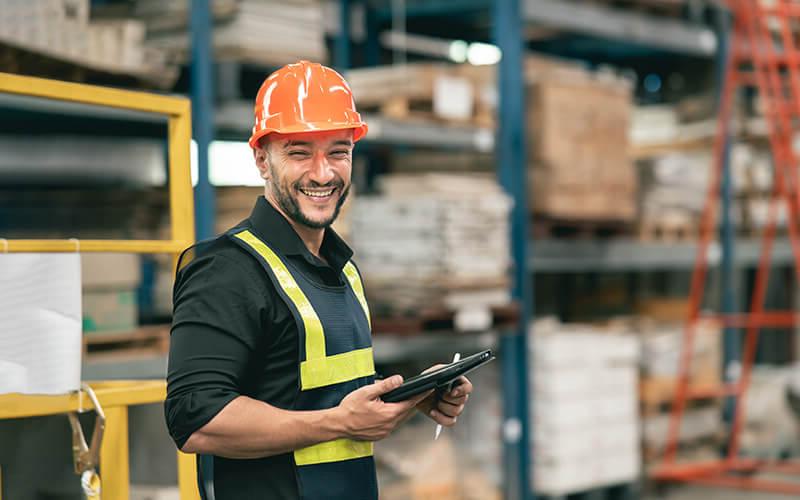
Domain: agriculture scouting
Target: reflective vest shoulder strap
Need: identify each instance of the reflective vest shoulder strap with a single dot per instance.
(315, 337)
(354, 279)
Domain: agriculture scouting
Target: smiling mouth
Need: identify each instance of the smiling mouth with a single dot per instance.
(317, 193)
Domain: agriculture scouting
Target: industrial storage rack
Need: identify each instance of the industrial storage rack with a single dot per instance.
(115, 396)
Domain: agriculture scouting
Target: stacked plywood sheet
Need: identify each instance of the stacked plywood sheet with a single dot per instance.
(578, 137)
(420, 91)
(585, 420)
(672, 196)
(61, 30)
(268, 32)
(432, 242)
(578, 145)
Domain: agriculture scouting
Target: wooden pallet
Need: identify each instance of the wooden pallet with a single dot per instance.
(667, 230)
(611, 492)
(544, 226)
(151, 340)
(422, 109)
(437, 320)
(656, 394)
(671, 8)
(17, 59)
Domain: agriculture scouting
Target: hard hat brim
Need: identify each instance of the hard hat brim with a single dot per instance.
(359, 130)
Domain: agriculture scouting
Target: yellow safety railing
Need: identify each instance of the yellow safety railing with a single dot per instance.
(115, 397)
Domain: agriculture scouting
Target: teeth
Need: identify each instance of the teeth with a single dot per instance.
(317, 194)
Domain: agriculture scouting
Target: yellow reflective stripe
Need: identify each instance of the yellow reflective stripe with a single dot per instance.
(333, 451)
(337, 368)
(315, 338)
(358, 288)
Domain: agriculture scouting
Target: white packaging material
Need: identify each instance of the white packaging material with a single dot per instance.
(40, 323)
(585, 415)
(453, 97)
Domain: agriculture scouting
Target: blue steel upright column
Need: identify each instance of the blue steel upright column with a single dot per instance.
(202, 115)
(729, 271)
(510, 156)
(341, 53)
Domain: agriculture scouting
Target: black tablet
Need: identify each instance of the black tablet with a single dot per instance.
(437, 379)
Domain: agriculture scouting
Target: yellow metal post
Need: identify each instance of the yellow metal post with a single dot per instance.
(187, 476)
(114, 468)
(180, 186)
(115, 397)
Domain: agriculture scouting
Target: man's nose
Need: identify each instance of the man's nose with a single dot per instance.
(321, 170)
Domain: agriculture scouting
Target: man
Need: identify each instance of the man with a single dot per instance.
(271, 375)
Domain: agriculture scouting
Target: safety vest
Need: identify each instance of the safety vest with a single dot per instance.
(335, 358)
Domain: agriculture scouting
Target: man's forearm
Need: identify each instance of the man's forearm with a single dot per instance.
(247, 428)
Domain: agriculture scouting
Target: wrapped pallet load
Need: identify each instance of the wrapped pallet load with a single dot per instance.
(585, 419)
(432, 242)
(291, 30)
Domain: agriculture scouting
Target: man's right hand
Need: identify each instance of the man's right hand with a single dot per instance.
(365, 417)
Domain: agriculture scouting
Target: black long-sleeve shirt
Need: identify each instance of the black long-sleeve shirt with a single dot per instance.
(233, 335)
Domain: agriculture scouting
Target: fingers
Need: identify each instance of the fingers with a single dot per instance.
(461, 387)
(383, 386)
(434, 367)
(441, 418)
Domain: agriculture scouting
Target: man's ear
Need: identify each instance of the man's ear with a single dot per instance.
(262, 161)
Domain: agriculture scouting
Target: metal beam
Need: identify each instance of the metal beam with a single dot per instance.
(616, 24)
(341, 52)
(510, 154)
(202, 114)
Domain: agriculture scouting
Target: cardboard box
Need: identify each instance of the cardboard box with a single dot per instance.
(109, 310)
(110, 271)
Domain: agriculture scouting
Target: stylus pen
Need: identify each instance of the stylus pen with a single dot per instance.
(456, 357)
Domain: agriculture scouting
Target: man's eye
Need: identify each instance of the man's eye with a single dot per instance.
(343, 153)
(298, 154)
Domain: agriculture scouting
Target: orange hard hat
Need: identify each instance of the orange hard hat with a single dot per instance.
(305, 97)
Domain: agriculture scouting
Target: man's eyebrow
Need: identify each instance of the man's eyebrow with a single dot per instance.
(343, 143)
(290, 144)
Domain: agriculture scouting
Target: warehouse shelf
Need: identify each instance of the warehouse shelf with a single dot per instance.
(625, 26)
(698, 137)
(395, 348)
(388, 348)
(553, 255)
(236, 117)
(140, 367)
(27, 104)
(58, 63)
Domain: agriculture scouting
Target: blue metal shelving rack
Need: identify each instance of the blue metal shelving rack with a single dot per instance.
(510, 152)
(202, 91)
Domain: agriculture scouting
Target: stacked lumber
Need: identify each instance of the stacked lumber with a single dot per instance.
(60, 30)
(673, 191)
(661, 337)
(433, 242)
(412, 466)
(580, 166)
(772, 427)
(675, 162)
(585, 422)
(577, 126)
(753, 181)
(420, 91)
(266, 32)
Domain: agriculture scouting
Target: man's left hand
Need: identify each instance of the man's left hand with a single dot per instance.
(445, 407)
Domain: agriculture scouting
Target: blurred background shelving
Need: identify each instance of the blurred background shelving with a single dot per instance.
(601, 164)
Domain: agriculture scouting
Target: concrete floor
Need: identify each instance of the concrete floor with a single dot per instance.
(686, 492)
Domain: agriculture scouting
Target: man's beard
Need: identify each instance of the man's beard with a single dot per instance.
(291, 208)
